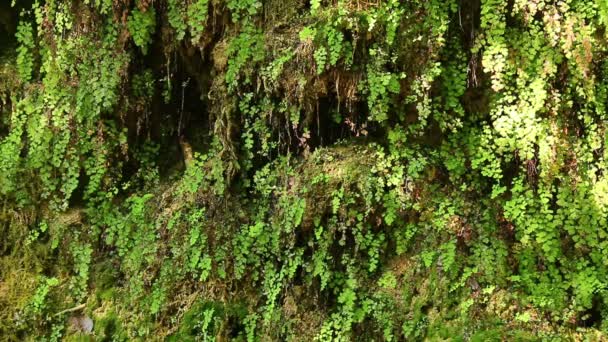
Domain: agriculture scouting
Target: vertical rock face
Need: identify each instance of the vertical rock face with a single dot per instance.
(303, 170)
(8, 25)
(7, 19)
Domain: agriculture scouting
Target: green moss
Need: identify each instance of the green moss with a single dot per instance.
(109, 328)
(292, 170)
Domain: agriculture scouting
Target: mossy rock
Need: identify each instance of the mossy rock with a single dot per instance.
(329, 169)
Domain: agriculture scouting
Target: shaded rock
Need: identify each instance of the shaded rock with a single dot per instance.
(81, 323)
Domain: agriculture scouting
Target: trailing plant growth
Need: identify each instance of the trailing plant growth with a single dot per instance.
(304, 170)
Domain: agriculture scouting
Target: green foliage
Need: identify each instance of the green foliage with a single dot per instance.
(177, 14)
(25, 51)
(243, 10)
(142, 25)
(82, 261)
(380, 85)
(244, 51)
(389, 170)
(188, 17)
(38, 301)
(143, 85)
(320, 59)
(197, 17)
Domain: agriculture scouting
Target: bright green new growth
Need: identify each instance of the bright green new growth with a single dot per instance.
(304, 170)
(141, 26)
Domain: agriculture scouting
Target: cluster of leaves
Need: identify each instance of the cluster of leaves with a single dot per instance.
(142, 25)
(477, 205)
(188, 17)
